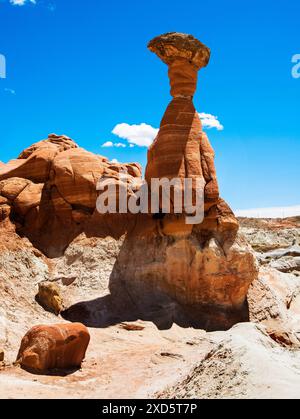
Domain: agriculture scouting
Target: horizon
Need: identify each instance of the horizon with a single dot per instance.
(86, 72)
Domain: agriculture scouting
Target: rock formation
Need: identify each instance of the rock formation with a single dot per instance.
(201, 272)
(181, 149)
(58, 346)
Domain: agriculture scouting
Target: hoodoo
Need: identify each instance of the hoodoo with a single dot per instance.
(202, 271)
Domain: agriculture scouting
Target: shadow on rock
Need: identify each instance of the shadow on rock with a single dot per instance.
(160, 309)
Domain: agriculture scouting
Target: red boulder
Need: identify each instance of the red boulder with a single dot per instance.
(59, 346)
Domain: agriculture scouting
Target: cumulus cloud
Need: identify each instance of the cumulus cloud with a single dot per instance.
(141, 135)
(114, 161)
(111, 144)
(108, 144)
(210, 121)
(21, 2)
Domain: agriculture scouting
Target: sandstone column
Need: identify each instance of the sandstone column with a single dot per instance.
(181, 149)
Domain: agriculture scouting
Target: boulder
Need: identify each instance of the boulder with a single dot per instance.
(76, 173)
(49, 296)
(12, 187)
(29, 198)
(60, 346)
(35, 168)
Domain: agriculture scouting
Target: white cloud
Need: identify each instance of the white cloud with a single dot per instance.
(11, 91)
(111, 144)
(141, 135)
(108, 144)
(210, 121)
(272, 212)
(21, 2)
(114, 161)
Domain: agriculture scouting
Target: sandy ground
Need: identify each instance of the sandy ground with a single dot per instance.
(119, 364)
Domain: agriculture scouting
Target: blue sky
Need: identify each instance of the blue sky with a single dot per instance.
(80, 68)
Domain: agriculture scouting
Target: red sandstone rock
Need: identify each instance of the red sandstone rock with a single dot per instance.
(58, 143)
(52, 189)
(12, 187)
(184, 55)
(35, 168)
(60, 346)
(181, 150)
(76, 173)
(29, 198)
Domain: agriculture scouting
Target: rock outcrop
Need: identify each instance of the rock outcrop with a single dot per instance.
(50, 193)
(275, 242)
(60, 346)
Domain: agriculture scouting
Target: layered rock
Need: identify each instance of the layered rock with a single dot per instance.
(181, 149)
(60, 346)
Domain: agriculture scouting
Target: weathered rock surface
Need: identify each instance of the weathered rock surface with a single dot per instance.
(60, 346)
(274, 300)
(276, 242)
(244, 363)
(58, 143)
(184, 55)
(208, 284)
(266, 235)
